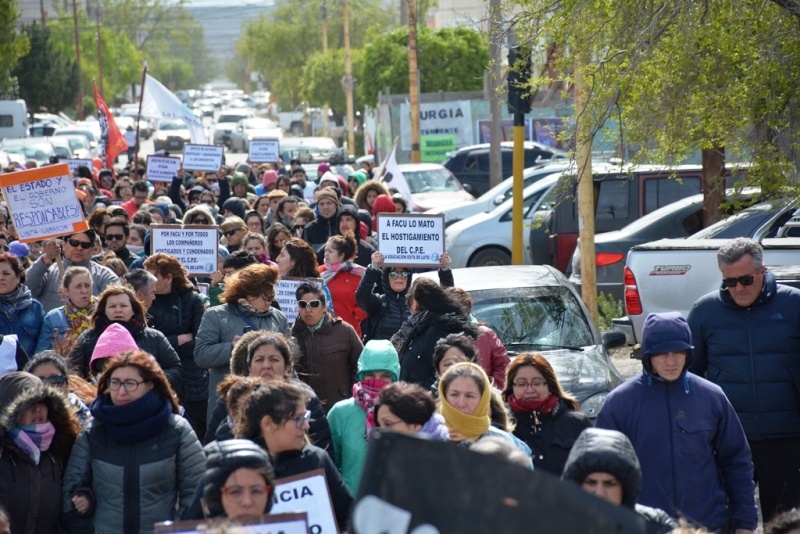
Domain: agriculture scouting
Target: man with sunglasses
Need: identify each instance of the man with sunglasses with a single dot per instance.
(115, 235)
(747, 341)
(44, 276)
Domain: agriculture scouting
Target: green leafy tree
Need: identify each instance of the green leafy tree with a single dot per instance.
(450, 59)
(322, 79)
(46, 78)
(13, 46)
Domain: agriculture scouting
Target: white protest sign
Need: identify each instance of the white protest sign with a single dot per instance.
(194, 246)
(264, 150)
(75, 163)
(162, 168)
(43, 203)
(410, 239)
(285, 294)
(264, 524)
(306, 493)
(202, 157)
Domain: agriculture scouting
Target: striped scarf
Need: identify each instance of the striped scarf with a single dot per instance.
(33, 439)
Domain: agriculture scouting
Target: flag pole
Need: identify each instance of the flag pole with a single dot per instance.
(382, 168)
(139, 116)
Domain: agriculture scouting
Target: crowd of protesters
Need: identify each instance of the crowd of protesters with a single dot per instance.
(132, 393)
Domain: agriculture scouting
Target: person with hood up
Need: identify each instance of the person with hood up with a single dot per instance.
(367, 193)
(352, 420)
(694, 455)
(349, 222)
(37, 431)
(354, 181)
(602, 462)
(317, 232)
(269, 180)
(383, 204)
(239, 188)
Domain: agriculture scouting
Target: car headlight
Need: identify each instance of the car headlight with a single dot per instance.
(592, 405)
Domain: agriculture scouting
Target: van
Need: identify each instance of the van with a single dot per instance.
(13, 119)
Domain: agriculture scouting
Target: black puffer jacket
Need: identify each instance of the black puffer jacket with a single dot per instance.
(180, 312)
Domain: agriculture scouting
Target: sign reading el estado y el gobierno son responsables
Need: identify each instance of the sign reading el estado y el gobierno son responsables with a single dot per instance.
(411, 239)
(43, 203)
(206, 158)
(195, 246)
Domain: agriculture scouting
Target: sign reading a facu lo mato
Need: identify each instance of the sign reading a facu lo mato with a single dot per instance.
(285, 294)
(196, 247)
(295, 523)
(308, 493)
(43, 203)
(75, 163)
(162, 168)
(202, 157)
(264, 150)
(411, 239)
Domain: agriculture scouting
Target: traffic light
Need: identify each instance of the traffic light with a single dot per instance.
(519, 76)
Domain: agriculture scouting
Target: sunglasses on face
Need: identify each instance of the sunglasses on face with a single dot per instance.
(746, 280)
(115, 237)
(395, 274)
(230, 233)
(200, 221)
(56, 380)
(302, 304)
(83, 244)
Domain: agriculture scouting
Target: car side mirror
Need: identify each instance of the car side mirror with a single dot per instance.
(499, 199)
(613, 339)
(467, 187)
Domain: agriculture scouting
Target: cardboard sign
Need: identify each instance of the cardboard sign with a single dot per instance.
(162, 168)
(285, 294)
(202, 157)
(196, 247)
(410, 239)
(264, 150)
(307, 493)
(43, 203)
(264, 524)
(75, 163)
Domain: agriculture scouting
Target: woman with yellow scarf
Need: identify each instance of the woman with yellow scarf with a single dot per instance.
(465, 395)
(62, 326)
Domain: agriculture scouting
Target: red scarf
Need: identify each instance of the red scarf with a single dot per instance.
(365, 393)
(530, 405)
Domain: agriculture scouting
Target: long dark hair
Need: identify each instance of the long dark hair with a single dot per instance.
(305, 261)
(276, 399)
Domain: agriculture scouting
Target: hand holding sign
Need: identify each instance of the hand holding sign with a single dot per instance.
(52, 251)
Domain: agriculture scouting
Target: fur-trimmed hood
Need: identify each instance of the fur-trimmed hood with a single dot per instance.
(361, 193)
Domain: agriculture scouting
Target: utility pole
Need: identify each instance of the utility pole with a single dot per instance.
(348, 81)
(326, 125)
(493, 84)
(44, 13)
(519, 103)
(99, 50)
(413, 80)
(78, 58)
(585, 195)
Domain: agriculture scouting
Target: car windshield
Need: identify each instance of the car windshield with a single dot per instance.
(744, 223)
(172, 126)
(536, 317)
(230, 118)
(431, 181)
(35, 152)
(77, 143)
(259, 124)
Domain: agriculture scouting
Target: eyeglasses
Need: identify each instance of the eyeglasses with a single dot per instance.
(85, 245)
(230, 233)
(238, 492)
(535, 383)
(302, 304)
(746, 280)
(55, 380)
(300, 420)
(130, 385)
(115, 237)
(200, 220)
(395, 274)
(299, 226)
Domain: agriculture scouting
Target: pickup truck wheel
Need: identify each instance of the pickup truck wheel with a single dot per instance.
(489, 257)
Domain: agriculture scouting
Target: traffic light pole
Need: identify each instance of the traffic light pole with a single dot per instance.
(519, 103)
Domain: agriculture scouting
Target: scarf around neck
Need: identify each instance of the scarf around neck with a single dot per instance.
(79, 318)
(133, 422)
(135, 326)
(11, 302)
(365, 393)
(542, 406)
(470, 426)
(33, 439)
(332, 269)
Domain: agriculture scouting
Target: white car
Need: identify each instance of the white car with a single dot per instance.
(485, 239)
(226, 123)
(171, 135)
(497, 194)
(255, 128)
(432, 186)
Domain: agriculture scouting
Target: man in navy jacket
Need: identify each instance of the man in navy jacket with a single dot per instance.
(693, 452)
(747, 341)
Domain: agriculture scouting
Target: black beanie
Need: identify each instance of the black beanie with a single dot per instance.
(225, 457)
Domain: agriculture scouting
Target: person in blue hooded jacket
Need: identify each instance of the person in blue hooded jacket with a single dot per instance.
(694, 455)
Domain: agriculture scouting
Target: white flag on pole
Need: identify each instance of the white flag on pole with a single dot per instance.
(158, 102)
(392, 176)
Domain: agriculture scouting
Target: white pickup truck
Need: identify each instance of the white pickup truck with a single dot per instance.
(671, 274)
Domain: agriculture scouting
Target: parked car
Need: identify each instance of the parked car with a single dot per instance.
(535, 308)
(226, 123)
(256, 128)
(63, 147)
(496, 195)
(485, 239)
(79, 145)
(146, 129)
(21, 150)
(86, 132)
(171, 135)
(470, 164)
(432, 186)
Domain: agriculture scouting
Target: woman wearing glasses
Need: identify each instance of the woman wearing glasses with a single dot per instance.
(329, 347)
(276, 415)
(51, 368)
(63, 325)
(20, 313)
(139, 462)
(37, 431)
(234, 229)
(199, 215)
(547, 418)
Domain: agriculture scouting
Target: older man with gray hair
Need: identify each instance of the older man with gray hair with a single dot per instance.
(747, 341)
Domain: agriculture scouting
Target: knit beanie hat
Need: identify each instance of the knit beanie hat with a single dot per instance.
(20, 250)
(328, 177)
(238, 178)
(225, 457)
(328, 194)
(358, 176)
(378, 355)
(323, 168)
(112, 341)
(236, 206)
(269, 178)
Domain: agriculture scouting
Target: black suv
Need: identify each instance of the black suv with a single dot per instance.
(471, 163)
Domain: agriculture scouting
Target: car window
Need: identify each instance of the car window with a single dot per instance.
(527, 206)
(483, 162)
(660, 191)
(744, 223)
(471, 163)
(531, 157)
(612, 198)
(431, 181)
(508, 161)
(541, 317)
(692, 223)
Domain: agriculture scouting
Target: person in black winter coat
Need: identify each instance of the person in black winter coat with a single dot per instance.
(177, 313)
(326, 224)
(604, 463)
(435, 314)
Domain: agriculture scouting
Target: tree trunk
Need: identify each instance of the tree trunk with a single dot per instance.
(713, 184)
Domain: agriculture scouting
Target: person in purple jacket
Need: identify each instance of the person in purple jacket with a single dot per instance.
(695, 459)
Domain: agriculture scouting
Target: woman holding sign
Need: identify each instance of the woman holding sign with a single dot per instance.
(342, 277)
(20, 313)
